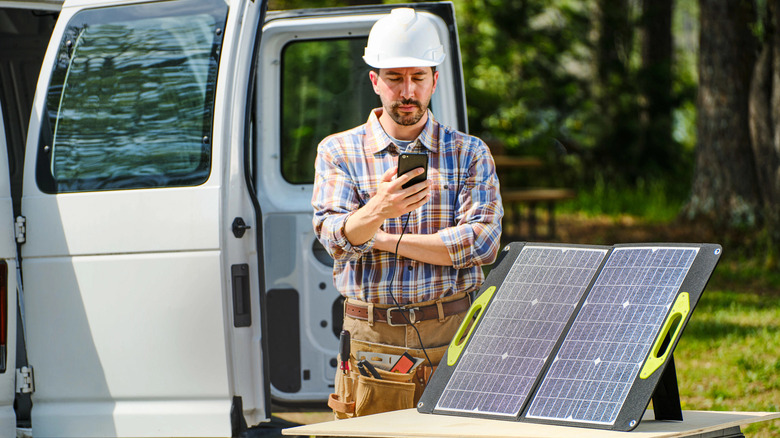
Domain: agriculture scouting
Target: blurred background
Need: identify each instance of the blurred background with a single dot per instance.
(644, 120)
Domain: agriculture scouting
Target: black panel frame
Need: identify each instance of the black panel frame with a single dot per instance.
(660, 386)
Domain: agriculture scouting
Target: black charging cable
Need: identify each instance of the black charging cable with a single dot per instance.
(392, 278)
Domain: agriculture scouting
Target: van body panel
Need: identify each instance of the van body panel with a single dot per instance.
(130, 418)
(115, 334)
(58, 228)
(127, 286)
(91, 297)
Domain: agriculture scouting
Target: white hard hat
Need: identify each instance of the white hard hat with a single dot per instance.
(403, 39)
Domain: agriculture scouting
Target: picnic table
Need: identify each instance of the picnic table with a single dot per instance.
(521, 203)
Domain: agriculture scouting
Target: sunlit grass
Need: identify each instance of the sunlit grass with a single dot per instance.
(652, 200)
(728, 358)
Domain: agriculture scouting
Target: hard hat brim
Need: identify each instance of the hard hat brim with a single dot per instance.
(403, 62)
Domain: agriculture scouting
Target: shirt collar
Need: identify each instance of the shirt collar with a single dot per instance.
(378, 140)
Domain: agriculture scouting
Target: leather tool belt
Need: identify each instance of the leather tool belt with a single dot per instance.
(400, 315)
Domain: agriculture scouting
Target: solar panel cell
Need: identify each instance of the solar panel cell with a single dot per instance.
(612, 335)
(519, 330)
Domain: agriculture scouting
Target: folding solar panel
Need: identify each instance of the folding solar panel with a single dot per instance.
(573, 334)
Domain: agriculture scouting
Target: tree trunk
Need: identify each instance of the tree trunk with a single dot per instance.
(725, 187)
(617, 150)
(657, 149)
(615, 40)
(764, 119)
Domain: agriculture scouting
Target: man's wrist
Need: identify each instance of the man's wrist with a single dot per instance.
(361, 226)
(386, 241)
(381, 240)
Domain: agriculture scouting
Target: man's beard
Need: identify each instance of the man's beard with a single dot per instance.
(410, 119)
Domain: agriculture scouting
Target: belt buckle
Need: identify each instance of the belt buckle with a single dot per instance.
(412, 315)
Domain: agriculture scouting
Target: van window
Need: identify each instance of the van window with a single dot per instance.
(131, 98)
(325, 89)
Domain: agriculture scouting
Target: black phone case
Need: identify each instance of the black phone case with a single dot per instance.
(408, 161)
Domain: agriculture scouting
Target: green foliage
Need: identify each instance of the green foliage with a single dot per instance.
(542, 73)
(685, 30)
(526, 66)
(325, 89)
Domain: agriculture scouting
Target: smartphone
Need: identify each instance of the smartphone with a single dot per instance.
(408, 161)
(405, 364)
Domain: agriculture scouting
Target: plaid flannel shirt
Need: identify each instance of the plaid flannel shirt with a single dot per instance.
(464, 208)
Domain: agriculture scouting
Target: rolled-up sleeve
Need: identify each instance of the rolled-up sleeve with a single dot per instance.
(475, 238)
(334, 200)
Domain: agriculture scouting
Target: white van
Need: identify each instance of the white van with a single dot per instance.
(155, 208)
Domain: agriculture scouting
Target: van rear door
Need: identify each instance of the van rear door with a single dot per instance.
(313, 83)
(142, 304)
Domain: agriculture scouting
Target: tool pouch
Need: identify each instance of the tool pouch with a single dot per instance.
(392, 392)
(357, 395)
(343, 400)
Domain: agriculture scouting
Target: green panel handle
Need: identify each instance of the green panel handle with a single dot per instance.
(459, 341)
(680, 310)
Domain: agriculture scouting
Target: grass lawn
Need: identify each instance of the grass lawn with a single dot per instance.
(729, 355)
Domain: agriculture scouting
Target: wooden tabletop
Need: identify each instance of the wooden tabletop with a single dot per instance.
(410, 423)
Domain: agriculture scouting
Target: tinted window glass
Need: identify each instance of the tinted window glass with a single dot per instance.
(325, 89)
(131, 97)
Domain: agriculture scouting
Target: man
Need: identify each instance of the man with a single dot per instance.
(443, 229)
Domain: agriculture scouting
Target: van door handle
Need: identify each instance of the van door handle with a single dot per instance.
(242, 304)
(239, 227)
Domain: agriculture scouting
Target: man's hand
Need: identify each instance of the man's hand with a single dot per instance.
(391, 201)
